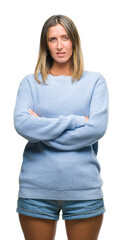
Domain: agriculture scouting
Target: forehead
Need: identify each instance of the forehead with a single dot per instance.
(56, 30)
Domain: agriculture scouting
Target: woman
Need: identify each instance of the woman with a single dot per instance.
(62, 111)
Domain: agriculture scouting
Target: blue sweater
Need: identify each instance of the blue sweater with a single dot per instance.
(60, 158)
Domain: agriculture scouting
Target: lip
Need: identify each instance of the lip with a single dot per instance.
(60, 53)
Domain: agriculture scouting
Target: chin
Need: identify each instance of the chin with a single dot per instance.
(62, 60)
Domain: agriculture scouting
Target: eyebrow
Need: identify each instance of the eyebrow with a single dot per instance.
(64, 35)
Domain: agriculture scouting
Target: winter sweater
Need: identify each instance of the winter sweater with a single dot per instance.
(60, 158)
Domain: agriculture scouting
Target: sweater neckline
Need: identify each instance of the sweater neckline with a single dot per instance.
(59, 76)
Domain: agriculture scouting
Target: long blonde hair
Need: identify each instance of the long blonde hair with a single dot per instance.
(45, 61)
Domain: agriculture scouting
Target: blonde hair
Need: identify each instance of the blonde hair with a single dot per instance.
(45, 61)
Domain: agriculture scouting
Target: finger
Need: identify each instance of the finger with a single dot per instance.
(30, 110)
(33, 113)
(86, 119)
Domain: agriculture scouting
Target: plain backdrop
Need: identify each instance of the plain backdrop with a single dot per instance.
(100, 28)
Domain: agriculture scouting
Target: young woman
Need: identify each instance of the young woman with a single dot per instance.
(62, 110)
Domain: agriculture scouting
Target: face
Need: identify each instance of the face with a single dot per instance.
(59, 44)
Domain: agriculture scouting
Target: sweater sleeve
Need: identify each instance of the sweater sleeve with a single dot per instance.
(36, 129)
(94, 129)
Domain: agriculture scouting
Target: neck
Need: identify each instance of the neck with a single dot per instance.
(61, 69)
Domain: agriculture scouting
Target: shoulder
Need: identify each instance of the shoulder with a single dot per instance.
(96, 80)
(29, 79)
(93, 76)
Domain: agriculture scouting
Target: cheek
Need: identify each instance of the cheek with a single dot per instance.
(70, 48)
(51, 48)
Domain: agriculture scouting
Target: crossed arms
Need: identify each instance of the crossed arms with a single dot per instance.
(70, 132)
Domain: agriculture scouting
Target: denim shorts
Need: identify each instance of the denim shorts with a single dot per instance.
(50, 209)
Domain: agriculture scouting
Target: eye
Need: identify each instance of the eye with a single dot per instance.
(51, 39)
(66, 37)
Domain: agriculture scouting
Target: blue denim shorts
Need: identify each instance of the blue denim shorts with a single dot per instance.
(50, 209)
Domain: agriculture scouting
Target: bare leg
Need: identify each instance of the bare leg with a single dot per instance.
(84, 229)
(38, 228)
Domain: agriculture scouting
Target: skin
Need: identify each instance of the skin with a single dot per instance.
(38, 228)
(61, 50)
(45, 229)
(60, 47)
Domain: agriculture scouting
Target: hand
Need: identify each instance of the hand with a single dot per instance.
(86, 119)
(33, 113)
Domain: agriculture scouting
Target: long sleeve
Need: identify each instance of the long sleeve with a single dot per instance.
(36, 129)
(94, 129)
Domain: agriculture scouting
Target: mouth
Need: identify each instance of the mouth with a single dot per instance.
(60, 54)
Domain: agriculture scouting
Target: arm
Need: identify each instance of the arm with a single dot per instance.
(36, 129)
(95, 127)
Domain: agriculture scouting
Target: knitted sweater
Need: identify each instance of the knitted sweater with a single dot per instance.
(60, 158)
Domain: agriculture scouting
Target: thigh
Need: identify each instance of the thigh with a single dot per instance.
(37, 228)
(84, 229)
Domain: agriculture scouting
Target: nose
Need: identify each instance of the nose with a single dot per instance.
(59, 44)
